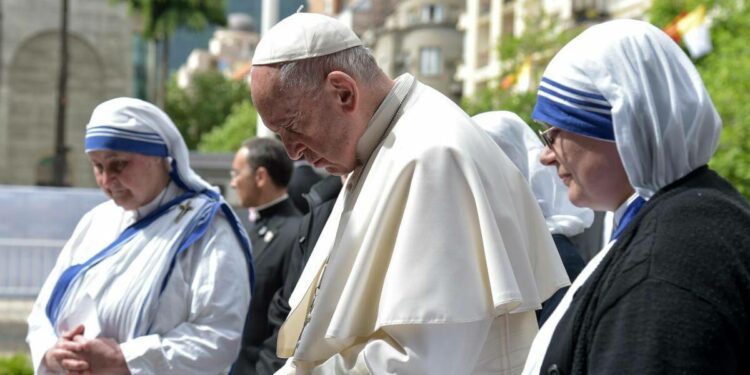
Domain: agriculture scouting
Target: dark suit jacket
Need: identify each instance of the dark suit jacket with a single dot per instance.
(303, 178)
(273, 236)
(321, 198)
(672, 296)
(573, 264)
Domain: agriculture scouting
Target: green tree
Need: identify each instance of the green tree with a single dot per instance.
(160, 18)
(18, 364)
(726, 73)
(543, 36)
(204, 105)
(497, 99)
(239, 126)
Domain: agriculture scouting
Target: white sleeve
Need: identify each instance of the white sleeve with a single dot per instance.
(209, 339)
(42, 336)
(411, 349)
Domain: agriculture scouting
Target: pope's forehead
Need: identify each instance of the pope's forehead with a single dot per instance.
(264, 81)
(267, 89)
(262, 73)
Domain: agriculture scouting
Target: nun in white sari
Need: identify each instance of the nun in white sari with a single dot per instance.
(156, 280)
(631, 129)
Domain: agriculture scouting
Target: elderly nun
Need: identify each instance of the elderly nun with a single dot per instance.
(631, 129)
(564, 220)
(156, 280)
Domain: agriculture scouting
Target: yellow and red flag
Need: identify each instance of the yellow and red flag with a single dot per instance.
(520, 80)
(671, 28)
(694, 30)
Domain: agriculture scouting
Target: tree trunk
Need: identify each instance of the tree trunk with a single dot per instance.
(1, 47)
(60, 165)
(153, 71)
(164, 71)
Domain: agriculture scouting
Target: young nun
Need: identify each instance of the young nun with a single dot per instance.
(156, 280)
(632, 128)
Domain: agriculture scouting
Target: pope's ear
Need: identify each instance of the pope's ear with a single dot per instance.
(344, 88)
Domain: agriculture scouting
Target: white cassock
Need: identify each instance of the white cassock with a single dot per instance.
(193, 327)
(434, 258)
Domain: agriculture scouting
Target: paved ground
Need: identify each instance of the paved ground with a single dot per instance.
(13, 315)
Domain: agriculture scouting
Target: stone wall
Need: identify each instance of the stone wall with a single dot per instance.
(100, 41)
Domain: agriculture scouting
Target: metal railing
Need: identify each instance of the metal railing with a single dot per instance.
(25, 265)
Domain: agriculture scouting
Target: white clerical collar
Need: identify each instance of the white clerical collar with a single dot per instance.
(621, 210)
(170, 191)
(271, 203)
(383, 117)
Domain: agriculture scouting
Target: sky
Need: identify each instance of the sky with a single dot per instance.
(184, 41)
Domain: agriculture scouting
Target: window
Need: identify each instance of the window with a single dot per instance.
(432, 13)
(484, 7)
(429, 61)
(413, 15)
(403, 63)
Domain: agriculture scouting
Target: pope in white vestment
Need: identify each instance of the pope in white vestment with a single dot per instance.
(435, 255)
(168, 281)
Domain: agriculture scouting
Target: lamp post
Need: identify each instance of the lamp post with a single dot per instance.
(269, 16)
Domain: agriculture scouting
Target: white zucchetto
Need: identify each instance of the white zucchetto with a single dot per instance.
(302, 36)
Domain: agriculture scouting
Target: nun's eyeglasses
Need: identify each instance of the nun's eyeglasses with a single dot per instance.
(548, 135)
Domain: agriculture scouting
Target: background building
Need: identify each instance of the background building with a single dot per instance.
(99, 44)
(420, 37)
(485, 22)
(360, 15)
(184, 41)
(229, 50)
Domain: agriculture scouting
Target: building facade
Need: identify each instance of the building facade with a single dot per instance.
(100, 40)
(230, 51)
(485, 22)
(420, 37)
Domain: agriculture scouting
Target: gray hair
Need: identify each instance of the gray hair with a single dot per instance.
(308, 74)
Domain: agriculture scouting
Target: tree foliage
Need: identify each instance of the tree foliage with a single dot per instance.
(204, 105)
(726, 73)
(496, 99)
(239, 126)
(542, 37)
(544, 34)
(17, 364)
(160, 18)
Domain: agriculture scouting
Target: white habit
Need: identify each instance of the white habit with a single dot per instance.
(434, 258)
(169, 282)
(196, 324)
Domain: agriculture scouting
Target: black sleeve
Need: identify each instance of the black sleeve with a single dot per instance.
(682, 334)
(268, 362)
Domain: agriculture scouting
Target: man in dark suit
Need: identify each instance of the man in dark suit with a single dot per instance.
(320, 201)
(260, 173)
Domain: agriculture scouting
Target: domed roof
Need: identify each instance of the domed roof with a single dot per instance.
(241, 22)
